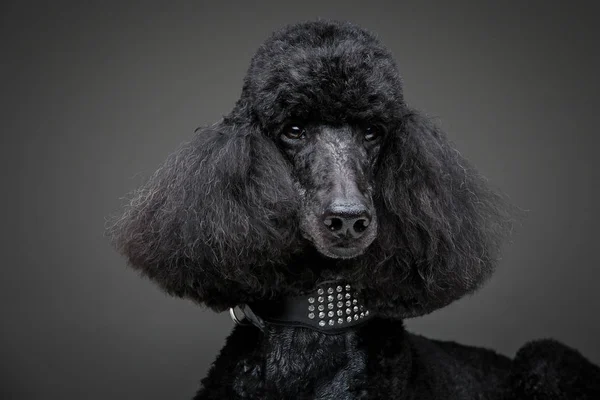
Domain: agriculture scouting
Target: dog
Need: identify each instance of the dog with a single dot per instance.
(322, 212)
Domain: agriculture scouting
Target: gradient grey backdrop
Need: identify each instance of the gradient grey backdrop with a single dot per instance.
(95, 98)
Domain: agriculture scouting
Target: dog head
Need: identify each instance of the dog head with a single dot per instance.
(320, 171)
(326, 95)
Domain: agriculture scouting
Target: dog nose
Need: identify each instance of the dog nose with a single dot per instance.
(350, 220)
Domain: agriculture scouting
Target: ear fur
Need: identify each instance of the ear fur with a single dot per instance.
(441, 226)
(221, 204)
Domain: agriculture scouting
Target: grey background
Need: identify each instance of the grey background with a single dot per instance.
(95, 97)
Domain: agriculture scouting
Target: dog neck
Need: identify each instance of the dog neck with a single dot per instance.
(332, 308)
(301, 361)
(298, 363)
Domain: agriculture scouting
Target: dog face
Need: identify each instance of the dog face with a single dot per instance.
(321, 171)
(333, 169)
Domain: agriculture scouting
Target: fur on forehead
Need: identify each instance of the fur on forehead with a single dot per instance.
(330, 72)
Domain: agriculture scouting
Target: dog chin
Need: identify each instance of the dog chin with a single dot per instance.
(342, 252)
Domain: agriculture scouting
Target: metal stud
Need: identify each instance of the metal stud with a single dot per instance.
(354, 301)
(320, 291)
(362, 314)
(330, 306)
(330, 298)
(340, 320)
(321, 315)
(321, 299)
(348, 295)
(348, 311)
(348, 303)
(355, 317)
(367, 312)
(339, 289)
(349, 319)
(331, 322)
(330, 314)
(348, 288)
(311, 300)
(330, 290)
(340, 312)
(340, 296)
(321, 323)
(311, 308)
(340, 304)
(321, 307)
(311, 315)
(355, 309)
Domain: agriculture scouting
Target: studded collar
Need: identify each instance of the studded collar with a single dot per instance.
(333, 307)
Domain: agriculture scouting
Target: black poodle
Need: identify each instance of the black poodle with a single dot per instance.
(322, 211)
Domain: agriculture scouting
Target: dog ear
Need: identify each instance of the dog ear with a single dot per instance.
(220, 203)
(441, 226)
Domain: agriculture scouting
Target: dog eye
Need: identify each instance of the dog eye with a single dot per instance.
(372, 133)
(293, 132)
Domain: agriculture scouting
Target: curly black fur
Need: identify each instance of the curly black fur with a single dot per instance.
(219, 223)
(222, 222)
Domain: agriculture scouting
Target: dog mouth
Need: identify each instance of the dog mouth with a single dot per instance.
(343, 251)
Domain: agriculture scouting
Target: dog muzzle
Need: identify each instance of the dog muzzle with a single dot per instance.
(333, 307)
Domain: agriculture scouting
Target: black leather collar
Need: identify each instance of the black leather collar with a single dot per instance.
(333, 307)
